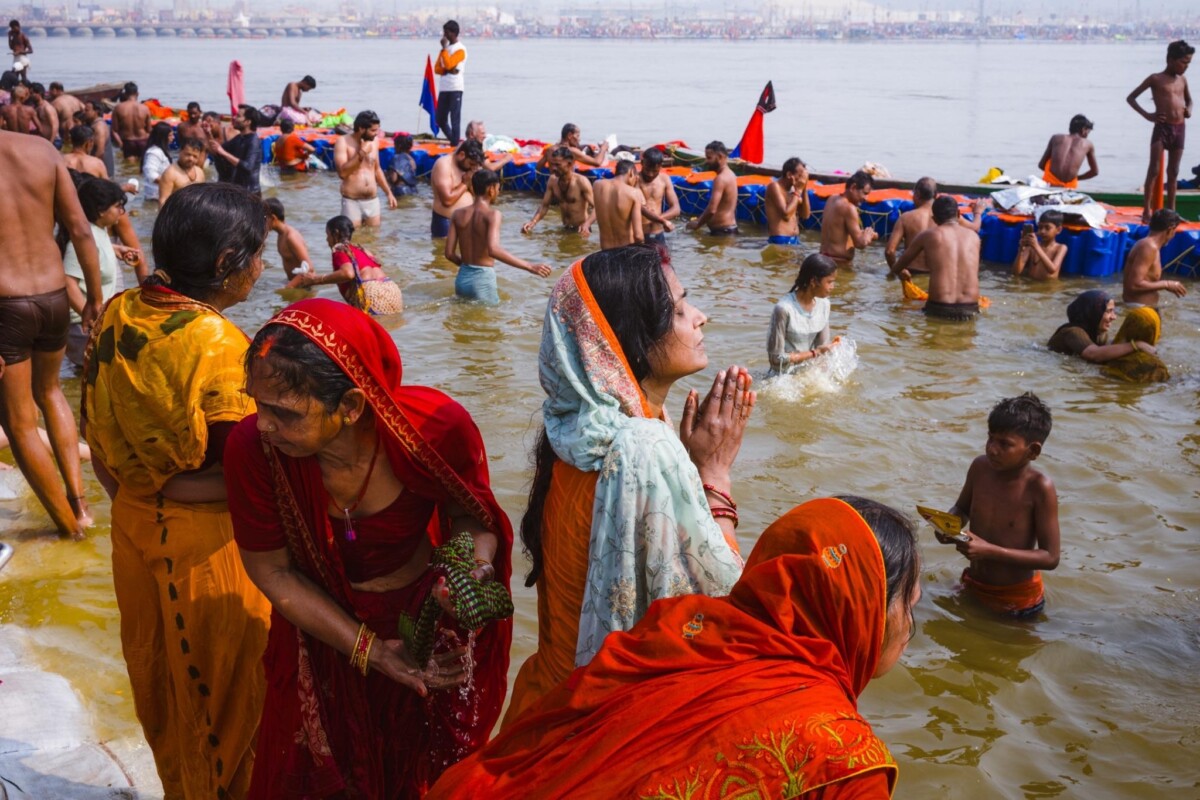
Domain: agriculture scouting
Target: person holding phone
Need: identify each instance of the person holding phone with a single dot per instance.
(1040, 256)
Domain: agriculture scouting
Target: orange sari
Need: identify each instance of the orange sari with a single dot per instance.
(750, 695)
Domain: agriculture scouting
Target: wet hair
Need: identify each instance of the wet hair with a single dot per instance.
(861, 180)
(817, 266)
(97, 196)
(717, 147)
(205, 233)
(1052, 216)
(80, 135)
(402, 143)
(1026, 416)
(252, 115)
(791, 165)
(130, 90)
(623, 167)
(924, 190)
(1164, 219)
(298, 365)
(562, 154)
(1079, 123)
(1086, 311)
(652, 157)
(631, 289)
(472, 151)
(309, 81)
(340, 228)
(286, 125)
(191, 143)
(160, 137)
(194, 105)
(37, 88)
(897, 541)
(56, 85)
(568, 129)
(365, 120)
(451, 26)
(1179, 49)
(274, 208)
(945, 208)
(483, 180)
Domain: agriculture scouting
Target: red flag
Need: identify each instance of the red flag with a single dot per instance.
(750, 148)
(429, 96)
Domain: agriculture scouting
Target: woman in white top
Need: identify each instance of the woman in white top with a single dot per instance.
(156, 159)
(103, 204)
(800, 322)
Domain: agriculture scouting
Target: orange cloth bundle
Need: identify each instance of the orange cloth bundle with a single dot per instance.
(914, 292)
(1019, 599)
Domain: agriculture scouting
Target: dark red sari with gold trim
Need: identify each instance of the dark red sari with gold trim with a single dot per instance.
(326, 730)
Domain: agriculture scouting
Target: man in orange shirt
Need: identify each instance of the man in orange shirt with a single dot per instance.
(450, 63)
(291, 152)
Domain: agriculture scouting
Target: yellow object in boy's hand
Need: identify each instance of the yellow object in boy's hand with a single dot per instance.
(944, 522)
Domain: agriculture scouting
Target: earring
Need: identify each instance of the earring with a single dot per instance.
(225, 284)
(346, 420)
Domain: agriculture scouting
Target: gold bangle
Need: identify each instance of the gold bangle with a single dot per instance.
(366, 656)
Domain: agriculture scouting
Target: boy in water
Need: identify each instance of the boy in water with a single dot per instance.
(293, 251)
(1041, 256)
(1172, 107)
(473, 243)
(1014, 511)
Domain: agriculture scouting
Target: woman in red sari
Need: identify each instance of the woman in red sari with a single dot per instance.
(339, 487)
(750, 695)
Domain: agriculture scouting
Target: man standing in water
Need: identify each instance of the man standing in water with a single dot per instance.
(451, 62)
(356, 158)
(1142, 276)
(65, 105)
(92, 115)
(619, 207)
(721, 212)
(474, 243)
(842, 232)
(657, 189)
(187, 169)
(34, 321)
(80, 158)
(787, 203)
(1065, 154)
(238, 160)
(131, 124)
(951, 252)
(1172, 107)
(570, 191)
(450, 180)
(47, 117)
(18, 116)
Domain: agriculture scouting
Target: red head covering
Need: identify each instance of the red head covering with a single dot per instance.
(756, 690)
(318, 733)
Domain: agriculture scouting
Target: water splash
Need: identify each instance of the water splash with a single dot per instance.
(826, 374)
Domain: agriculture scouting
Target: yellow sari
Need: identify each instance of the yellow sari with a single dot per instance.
(160, 368)
(1140, 325)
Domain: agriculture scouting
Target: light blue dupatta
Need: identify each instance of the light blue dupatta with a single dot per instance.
(652, 535)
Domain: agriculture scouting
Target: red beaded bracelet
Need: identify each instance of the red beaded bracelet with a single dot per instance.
(726, 512)
(708, 487)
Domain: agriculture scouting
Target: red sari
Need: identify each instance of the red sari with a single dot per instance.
(326, 730)
(750, 695)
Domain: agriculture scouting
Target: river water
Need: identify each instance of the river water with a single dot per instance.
(1095, 700)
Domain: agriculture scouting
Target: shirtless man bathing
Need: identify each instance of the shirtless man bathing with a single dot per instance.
(619, 207)
(18, 116)
(1065, 154)
(721, 212)
(131, 125)
(1172, 107)
(571, 140)
(661, 202)
(787, 203)
(34, 321)
(571, 192)
(80, 159)
(293, 250)
(919, 218)
(186, 170)
(1142, 275)
(842, 232)
(474, 243)
(356, 158)
(450, 180)
(951, 252)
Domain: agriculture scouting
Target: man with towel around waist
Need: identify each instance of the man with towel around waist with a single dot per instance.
(1065, 154)
(952, 255)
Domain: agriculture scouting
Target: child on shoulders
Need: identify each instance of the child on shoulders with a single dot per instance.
(1013, 511)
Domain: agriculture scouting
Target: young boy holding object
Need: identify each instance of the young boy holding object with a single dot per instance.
(1040, 256)
(1013, 511)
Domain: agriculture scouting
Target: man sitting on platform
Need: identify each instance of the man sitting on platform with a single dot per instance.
(952, 254)
(289, 104)
(571, 141)
(1065, 154)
